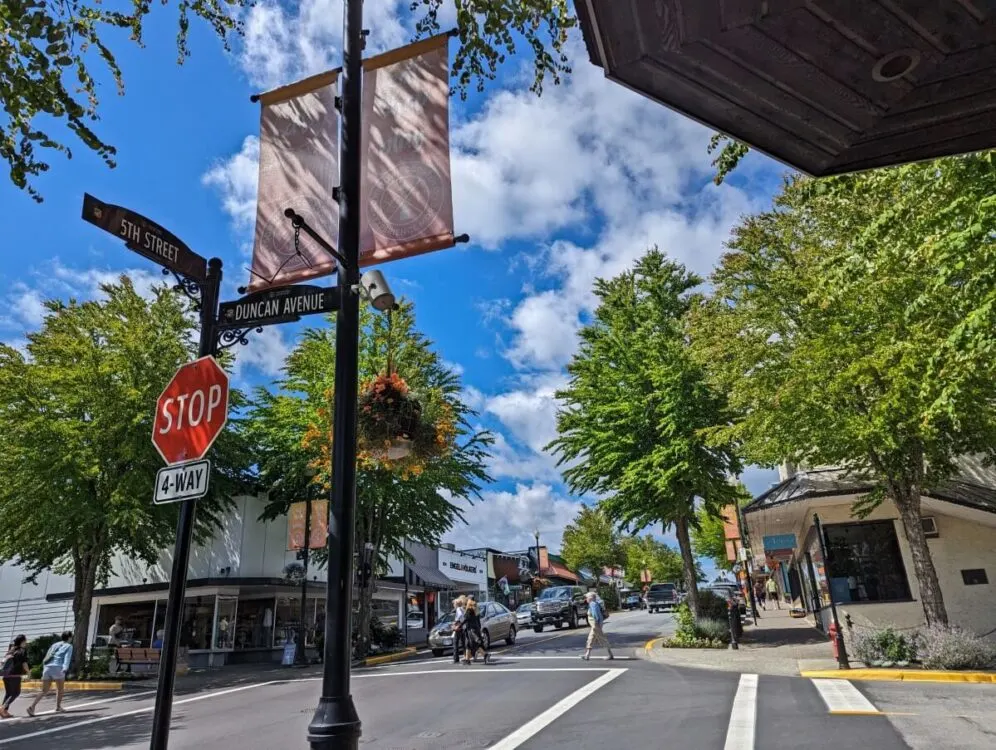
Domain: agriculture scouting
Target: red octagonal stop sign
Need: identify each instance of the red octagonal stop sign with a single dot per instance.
(191, 411)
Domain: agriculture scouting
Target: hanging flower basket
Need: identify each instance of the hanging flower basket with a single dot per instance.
(389, 417)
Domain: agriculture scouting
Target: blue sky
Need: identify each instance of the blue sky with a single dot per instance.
(554, 191)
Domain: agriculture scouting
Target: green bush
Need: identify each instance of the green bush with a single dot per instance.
(610, 596)
(685, 620)
(712, 606)
(715, 630)
(39, 647)
(95, 668)
(885, 647)
(383, 636)
(36, 672)
(952, 647)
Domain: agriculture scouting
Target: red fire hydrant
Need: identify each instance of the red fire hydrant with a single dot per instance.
(833, 640)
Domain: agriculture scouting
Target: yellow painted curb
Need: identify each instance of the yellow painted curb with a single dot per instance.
(649, 645)
(373, 661)
(73, 685)
(900, 675)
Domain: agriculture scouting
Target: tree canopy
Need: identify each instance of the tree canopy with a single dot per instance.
(54, 54)
(646, 553)
(75, 452)
(636, 408)
(397, 501)
(591, 542)
(848, 326)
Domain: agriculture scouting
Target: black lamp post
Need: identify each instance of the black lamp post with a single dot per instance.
(842, 660)
(301, 656)
(335, 724)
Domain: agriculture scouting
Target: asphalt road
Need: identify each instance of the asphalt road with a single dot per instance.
(538, 694)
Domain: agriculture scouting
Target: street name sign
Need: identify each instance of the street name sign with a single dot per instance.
(145, 237)
(182, 482)
(191, 411)
(279, 305)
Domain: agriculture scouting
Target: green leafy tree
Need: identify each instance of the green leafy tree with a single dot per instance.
(75, 421)
(709, 532)
(49, 51)
(636, 407)
(646, 553)
(397, 501)
(591, 542)
(847, 326)
(731, 153)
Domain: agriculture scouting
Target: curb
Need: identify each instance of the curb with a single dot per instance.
(373, 661)
(901, 675)
(75, 685)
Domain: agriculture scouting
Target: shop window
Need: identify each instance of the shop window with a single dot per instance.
(197, 622)
(386, 610)
(224, 634)
(287, 619)
(137, 619)
(865, 564)
(254, 627)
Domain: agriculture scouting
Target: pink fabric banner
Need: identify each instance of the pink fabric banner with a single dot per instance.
(298, 168)
(407, 204)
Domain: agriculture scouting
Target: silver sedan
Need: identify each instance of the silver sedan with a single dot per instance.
(497, 623)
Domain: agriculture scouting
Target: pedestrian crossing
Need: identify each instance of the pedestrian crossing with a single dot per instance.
(840, 698)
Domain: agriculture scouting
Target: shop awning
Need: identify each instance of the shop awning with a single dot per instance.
(427, 577)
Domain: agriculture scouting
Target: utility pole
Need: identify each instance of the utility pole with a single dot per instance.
(335, 724)
(838, 636)
(302, 638)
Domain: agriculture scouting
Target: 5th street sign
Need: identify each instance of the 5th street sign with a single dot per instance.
(280, 305)
(145, 237)
(182, 482)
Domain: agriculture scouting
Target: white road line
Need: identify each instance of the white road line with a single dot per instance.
(72, 707)
(842, 697)
(135, 712)
(743, 717)
(482, 669)
(512, 658)
(558, 709)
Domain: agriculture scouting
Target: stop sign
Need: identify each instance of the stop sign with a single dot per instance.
(191, 411)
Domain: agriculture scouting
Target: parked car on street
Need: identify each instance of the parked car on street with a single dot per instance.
(497, 623)
(662, 597)
(632, 600)
(524, 615)
(559, 606)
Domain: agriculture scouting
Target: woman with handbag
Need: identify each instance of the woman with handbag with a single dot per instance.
(459, 635)
(15, 666)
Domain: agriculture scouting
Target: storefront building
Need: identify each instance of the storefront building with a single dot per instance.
(469, 573)
(869, 571)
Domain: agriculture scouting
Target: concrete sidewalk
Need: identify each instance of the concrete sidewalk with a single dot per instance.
(777, 645)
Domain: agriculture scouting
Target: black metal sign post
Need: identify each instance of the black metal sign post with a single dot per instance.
(199, 279)
(184, 531)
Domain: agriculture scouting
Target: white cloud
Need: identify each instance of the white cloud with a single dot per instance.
(506, 520)
(507, 462)
(530, 415)
(236, 179)
(265, 351)
(86, 283)
(28, 305)
(281, 46)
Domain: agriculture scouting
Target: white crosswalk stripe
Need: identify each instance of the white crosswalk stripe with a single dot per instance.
(743, 717)
(842, 697)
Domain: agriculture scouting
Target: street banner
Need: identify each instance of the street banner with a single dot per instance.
(731, 525)
(407, 206)
(319, 525)
(298, 168)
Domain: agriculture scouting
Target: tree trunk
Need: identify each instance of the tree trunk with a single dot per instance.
(85, 577)
(688, 564)
(907, 500)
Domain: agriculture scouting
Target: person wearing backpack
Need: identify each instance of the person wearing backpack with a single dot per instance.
(596, 636)
(55, 665)
(15, 666)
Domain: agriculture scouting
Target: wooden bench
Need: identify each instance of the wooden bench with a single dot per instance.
(129, 656)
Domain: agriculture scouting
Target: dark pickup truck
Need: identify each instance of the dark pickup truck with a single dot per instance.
(662, 596)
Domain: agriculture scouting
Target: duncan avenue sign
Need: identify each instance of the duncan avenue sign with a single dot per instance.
(281, 305)
(145, 237)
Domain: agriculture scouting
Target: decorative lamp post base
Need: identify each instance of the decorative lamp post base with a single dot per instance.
(335, 725)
